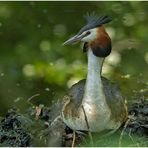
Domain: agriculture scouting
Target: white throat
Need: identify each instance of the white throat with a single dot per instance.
(93, 87)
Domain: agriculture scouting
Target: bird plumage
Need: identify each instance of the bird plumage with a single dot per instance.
(101, 46)
(103, 104)
(93, 21)
(113, 96)
(101, 100)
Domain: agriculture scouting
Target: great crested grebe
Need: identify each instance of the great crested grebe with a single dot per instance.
(95, 99)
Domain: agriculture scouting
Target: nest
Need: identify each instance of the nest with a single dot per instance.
(22, 130)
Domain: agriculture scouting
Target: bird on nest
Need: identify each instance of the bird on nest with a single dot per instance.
(93, 104)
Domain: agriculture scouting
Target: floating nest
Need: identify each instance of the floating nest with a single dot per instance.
(34, 129)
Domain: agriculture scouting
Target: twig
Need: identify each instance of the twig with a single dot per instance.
(29, 99)
(56, 119)
(89, 133)
(74, 139)
(137, 144)
(126, 123)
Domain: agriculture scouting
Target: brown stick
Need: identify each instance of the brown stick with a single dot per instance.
(74, 139)
(29, 99)
(126, 123)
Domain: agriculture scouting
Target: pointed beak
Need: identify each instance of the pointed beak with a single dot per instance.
(74, 39)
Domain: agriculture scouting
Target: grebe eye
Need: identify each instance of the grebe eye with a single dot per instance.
(88, 32)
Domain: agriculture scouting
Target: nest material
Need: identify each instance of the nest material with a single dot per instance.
(13, 132)
(138, 114)
(14, 129)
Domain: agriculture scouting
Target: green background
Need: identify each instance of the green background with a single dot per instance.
(33, 62)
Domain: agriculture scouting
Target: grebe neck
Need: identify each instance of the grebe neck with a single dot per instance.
(93, 88)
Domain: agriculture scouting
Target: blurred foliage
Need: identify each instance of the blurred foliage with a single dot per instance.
(33, 60)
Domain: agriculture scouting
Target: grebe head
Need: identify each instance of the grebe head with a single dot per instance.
(94, 36)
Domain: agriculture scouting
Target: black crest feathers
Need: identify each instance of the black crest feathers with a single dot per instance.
(93, 21)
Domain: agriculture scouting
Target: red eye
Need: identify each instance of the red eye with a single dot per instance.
(88, 32)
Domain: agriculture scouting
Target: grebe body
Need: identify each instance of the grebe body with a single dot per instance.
(102, 101)
(94, 104)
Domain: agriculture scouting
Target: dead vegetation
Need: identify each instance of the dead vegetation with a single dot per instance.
(33, 129)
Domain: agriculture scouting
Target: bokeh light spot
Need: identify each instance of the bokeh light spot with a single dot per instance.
(59, 30)
(29, 70)
(2, 74)
(114, 58)
(72, 81)
(47, 89)
(4, 11)
(107, 69)
(45, 45)
(111, 32)
(128, 19)
(146, 57)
